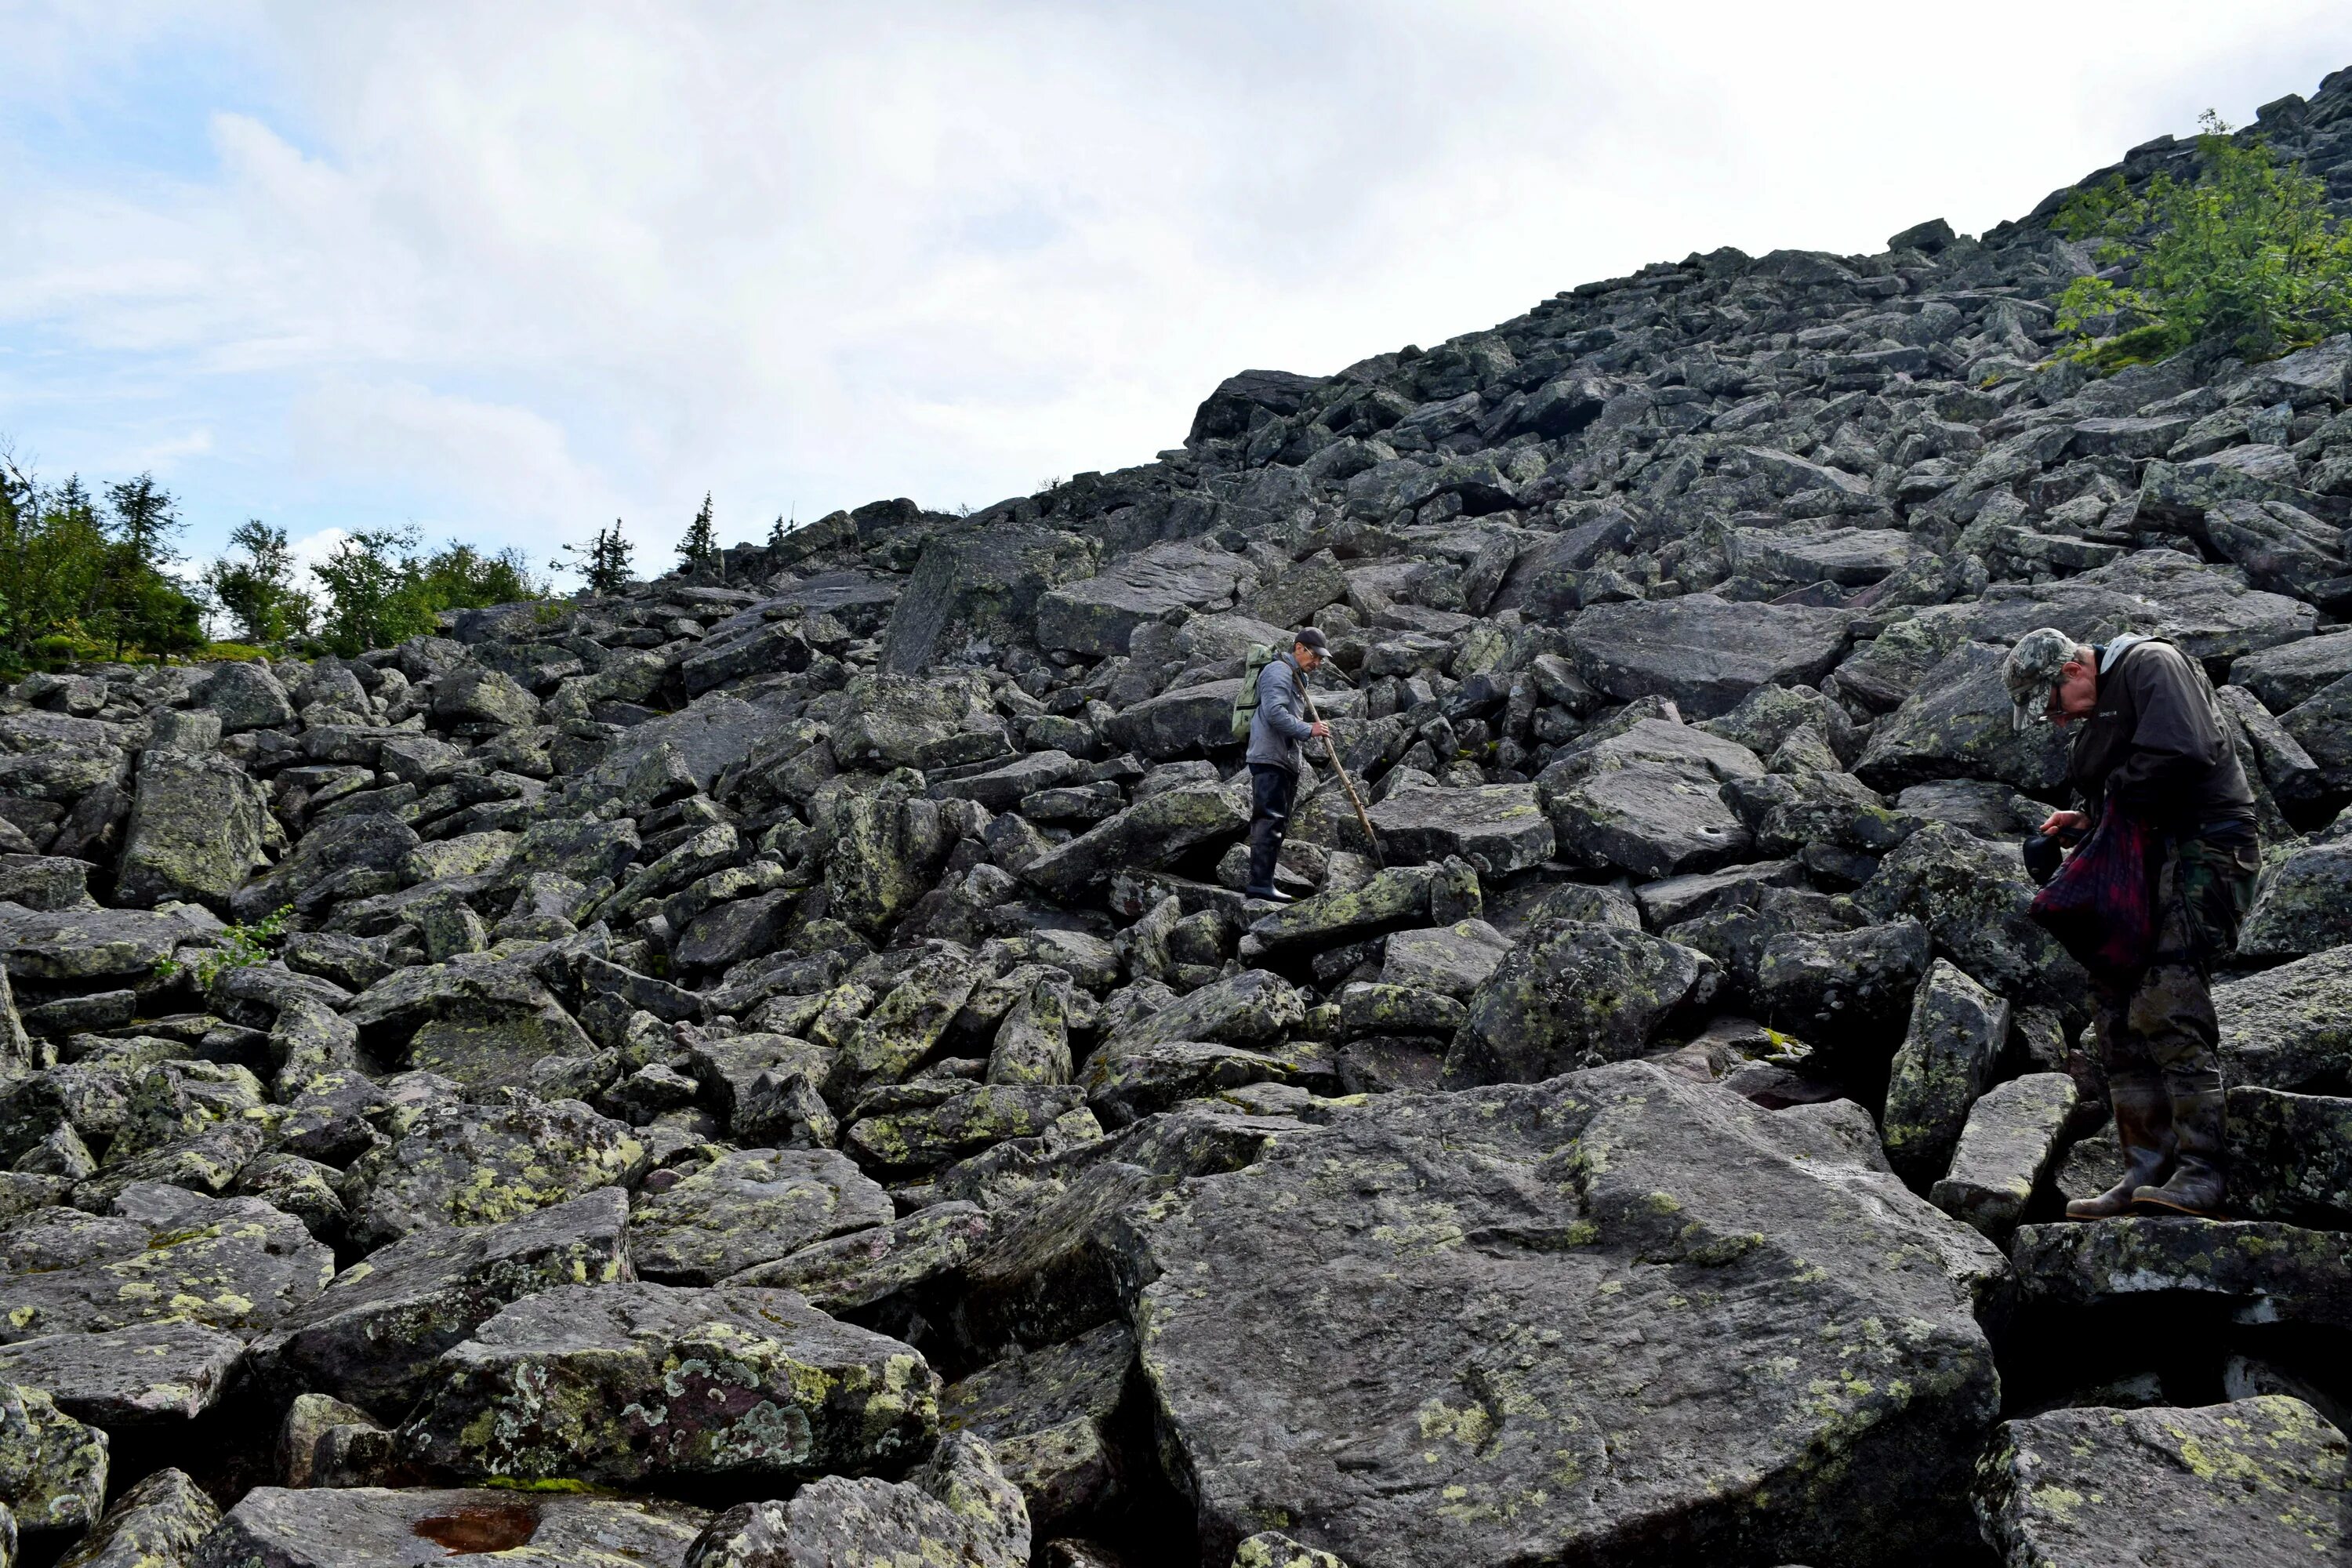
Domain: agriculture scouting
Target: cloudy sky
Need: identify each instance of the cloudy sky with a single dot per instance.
(507, 272)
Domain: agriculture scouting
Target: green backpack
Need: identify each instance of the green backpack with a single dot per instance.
(1245, 700)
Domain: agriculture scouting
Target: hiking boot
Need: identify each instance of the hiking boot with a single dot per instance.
(2143, 1111)
(2200, 1182)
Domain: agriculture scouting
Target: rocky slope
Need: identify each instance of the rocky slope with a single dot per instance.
(772, 1066)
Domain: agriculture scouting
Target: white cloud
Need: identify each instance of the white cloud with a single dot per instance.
(514, 270)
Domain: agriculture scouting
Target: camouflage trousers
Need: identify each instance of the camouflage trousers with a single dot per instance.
(2159, 1020)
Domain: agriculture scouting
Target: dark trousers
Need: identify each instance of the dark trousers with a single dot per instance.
(1272, 789)
(2159, 1021)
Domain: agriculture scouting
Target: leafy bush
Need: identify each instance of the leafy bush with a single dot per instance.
(78, 581)
(259, 591)
(380, 592)
(2247, 257)
(242, 947)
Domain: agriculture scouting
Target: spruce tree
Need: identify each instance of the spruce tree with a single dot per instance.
(700, 545)
(604, 561)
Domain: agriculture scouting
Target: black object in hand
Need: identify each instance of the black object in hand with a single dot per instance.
(2044, 855)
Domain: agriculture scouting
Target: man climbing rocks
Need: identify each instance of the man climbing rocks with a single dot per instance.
(2152, 742)
(1277, 740)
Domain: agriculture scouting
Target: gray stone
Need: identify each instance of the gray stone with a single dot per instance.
(52, 1468)
(2260, 1482)
(748, 1207)
(1645, 818)
(1497, 828)
(1704, 652)
(2290, 1027)
(1582, 995)
(148, 1375)
(336, 1526)
(2010, 1142)
(2262, 1270)
(329, 849)
(1847, 992)
(2304, 906)
(486, 1164)
(1565, 1288)
(622, 1385)
(2291, 1156)
(1455, 960)
(1973, 898)
(1047, 1416)
(246, 697)
(195, 834)
(975, 591)
(1947, 1058)
(1097, 615)
(1152, 832)
(2292, 673)
(859, 1270)
(1958, 726)
(956, 1507)
(158, 1523)
(373, 1336)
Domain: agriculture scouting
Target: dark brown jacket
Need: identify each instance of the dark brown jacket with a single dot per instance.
(2159, 744)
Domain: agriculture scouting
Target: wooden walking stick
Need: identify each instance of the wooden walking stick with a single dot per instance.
(1331, 746)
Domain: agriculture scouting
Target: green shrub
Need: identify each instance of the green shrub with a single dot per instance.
(381, 593)
(243, 946)
(2245, 256)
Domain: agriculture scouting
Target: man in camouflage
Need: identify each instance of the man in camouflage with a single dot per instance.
(2150, 740)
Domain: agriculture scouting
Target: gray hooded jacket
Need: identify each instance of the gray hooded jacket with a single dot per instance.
(1279, 732)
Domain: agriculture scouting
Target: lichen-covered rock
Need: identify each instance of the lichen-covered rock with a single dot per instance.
(334, 1527)
(1973, 897)
(1497, 828)
(331, 849)
(2304, 906)
(196, 830)
(146, 1374)
(1647, 818)
(2271, 1272)
(1584, 994)
(158, 1523)
(1254, 1008)
(487, 1163)
(1848, 992)
(1154, 831)
(623, 1385)
(373, 1336)
(2291, 1156)
(327, 1443)
(1593, 1328)
(957, 1508)
(2007, 1149)
(1097, 615)
(748, 1207)
(1702, 652)
(919, 1138)
(236, 1265)
(906, 1022)
(2290, 1027)
(1047, 1416)
(1957, 726)
(82, 944)
(1947, 1058)
(180, 1098)
(853, 1271)
(1272, 1549)
(1127, 1082)
(52, 1468)
(2260, 1481)
(1453, 960)
(1396, 897)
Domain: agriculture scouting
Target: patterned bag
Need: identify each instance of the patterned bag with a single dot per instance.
(2101, 904)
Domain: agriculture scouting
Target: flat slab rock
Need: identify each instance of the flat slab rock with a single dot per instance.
(748, 1207)
(1499, 829)
(329, 1527)
(1608, 1312)
(1705, 652)
(373, 1337)
(236, 1265)
(2272, 1272)
(619, 1385)
(146, 1375)
(2255, 1483)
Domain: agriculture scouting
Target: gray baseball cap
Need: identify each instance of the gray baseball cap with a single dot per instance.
(2032, 671)
(1311, 637)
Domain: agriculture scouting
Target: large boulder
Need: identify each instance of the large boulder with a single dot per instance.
(1580, 995)
(2290, 1027)
(236, 1265)
(2264, 1270)
(622, 1385)
(469, 1164)
(1973, 897)
(1154, 831)
(246, 697)
(957, 1508)
(1958, 726)
(974, 594)
(2262, 1482)
(161, 1521)
(196, 830)
(1049, 1415)
(332, 849)
(747, 1208)
(2012, 1142)
(2304, 906)
(334, 1527)
(1704, 652)
(147, 1375)
(373, 1337)
(1957, 1032)
(2292, 673)
(1610, 1311)
(1497, 828)
(1097, 614)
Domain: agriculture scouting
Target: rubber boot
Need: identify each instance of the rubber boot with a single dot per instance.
(2143, 1111)
(1266, 848)
(2200, 1180)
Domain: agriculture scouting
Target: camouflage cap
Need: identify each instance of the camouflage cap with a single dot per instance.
(2031, 672)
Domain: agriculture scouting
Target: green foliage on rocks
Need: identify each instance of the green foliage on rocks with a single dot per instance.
(2247, 257)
